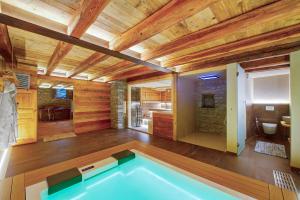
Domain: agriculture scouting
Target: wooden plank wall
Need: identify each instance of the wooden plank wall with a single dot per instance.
(91, 107)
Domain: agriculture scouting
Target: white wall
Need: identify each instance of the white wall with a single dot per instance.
(271, 89)
(295, 108)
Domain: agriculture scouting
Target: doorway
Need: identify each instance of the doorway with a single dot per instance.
(268, 111)
(148, 98)
(55, 111)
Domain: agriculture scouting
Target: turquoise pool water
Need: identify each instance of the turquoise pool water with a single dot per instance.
(139, 179)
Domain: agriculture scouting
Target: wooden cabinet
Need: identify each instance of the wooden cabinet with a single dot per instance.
(166, 96)
(163, 125)
(27, 116)
(148, 94)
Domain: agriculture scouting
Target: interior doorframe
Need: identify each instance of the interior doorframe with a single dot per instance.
(152, 79)
(236, 127)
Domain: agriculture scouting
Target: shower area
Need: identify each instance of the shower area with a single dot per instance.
(202, 104)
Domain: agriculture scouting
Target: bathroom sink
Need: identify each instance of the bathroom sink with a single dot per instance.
(286, 119)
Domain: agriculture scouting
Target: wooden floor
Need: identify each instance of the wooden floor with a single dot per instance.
(56, 127)
(249, 163)
(209, 140)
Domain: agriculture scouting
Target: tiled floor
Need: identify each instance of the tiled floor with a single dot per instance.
(209, 140)
(249, 163)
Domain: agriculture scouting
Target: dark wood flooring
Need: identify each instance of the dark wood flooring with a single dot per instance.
(249, 163)
(56, 127)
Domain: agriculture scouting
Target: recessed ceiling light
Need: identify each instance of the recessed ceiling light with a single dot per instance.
(208, 77)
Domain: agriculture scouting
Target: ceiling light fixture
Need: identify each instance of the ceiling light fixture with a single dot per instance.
(208, 77)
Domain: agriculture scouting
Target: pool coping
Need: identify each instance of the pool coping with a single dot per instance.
(33, 191)
(14, 187)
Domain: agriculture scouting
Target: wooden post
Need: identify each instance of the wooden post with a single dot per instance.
(295, 108)
(174, 104)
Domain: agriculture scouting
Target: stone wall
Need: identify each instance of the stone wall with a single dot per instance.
(136, 110)
(211, 120)
(46, 97)
(118, 104)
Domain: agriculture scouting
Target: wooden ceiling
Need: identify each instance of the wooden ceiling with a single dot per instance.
(172, 35)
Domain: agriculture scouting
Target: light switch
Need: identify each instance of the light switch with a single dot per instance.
(270, 108)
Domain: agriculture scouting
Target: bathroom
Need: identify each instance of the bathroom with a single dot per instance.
(268, 111)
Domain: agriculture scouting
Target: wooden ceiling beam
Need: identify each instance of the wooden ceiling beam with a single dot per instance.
(170, 14)
(80, 23)
(142, 70)
(114, 69)
(267, 62)
(16, 12)
(6, 47)
(85, 18)
(87, 63)
(60, 51)
(97, 58)
(267, 68)
(239, 57)
(262, 39)
(65, 80)
(145, 76)
(37, 29)
(273, 11)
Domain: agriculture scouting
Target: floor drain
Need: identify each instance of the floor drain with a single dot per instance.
(284, 180)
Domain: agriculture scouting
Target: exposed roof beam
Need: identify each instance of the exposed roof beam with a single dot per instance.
(170, 14)
(11, 21)
(239, 57)
(31, 17)
(114, 69)
(141, 70)
(62, 79)
(87, 63)
(261, 15)
(87, 15)
(60, 51)
(262, 39)
(268, 68)
(96, 58)
(5, 46)
(145, 76)
(267, 62)
(80, 23)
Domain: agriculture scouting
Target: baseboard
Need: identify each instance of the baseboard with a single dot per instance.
(295, 169)
(231, 153)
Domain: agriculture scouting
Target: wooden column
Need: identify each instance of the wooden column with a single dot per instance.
(174, 104)
(295, 108)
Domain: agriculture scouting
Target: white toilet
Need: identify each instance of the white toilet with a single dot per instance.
(269, 128)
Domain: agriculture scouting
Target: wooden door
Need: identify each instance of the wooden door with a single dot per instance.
(27, 116)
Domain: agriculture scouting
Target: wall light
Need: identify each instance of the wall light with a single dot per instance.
(45, 85)
(270, 101)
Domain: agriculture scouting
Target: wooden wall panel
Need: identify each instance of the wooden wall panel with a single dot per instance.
(91, 107)
(163, 124)
(250, 120)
